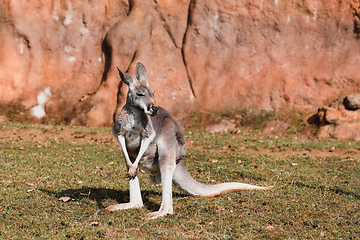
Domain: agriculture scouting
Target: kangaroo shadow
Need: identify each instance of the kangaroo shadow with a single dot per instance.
(100, 194)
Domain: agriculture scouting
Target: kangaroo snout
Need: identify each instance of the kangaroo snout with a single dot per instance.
(153, 110)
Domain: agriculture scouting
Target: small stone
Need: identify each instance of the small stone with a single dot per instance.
(352, 102)
(95, 224)
(270, 228)
(65, 199)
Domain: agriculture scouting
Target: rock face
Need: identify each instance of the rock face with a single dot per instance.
(209, 55)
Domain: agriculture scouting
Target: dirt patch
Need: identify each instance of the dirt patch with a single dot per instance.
(61, 133)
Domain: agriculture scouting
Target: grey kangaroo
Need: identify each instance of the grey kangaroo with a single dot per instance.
(151, 139)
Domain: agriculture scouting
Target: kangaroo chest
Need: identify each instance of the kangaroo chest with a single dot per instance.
(135, 129)
(133, 141)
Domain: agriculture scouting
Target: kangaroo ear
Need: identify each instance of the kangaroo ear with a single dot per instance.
(126, 78)
(140, 72)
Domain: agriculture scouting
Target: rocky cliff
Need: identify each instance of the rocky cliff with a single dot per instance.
(212, 55)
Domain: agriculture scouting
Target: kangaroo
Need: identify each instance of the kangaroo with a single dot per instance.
(152, 139)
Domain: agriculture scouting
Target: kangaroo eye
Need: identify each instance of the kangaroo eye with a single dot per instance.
(140, 94)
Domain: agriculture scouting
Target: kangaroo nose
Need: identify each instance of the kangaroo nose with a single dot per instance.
(154, 109)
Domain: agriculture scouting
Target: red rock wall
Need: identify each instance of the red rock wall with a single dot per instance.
(212, 55)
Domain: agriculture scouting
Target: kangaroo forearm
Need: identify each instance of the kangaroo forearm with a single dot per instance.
(121, 140)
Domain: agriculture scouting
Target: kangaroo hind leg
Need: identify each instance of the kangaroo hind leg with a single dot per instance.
(135, 198)
(167, 164)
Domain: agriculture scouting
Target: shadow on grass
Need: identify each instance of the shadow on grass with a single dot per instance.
(100, 194)
(334, 189)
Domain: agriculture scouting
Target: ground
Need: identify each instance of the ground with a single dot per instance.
(55, 179)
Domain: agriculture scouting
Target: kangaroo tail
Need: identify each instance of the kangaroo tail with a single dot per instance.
(187, 185)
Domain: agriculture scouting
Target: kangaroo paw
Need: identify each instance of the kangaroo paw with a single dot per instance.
(154, 215)
(132, 173)
(122, 206)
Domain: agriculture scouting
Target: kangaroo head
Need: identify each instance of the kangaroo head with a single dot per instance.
(140, 95)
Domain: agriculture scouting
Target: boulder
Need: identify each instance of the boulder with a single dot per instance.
(348, 131)
(339, 122)
(216, 124)
(276, 127)
(352, 102)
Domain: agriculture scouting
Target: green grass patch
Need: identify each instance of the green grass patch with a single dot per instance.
(318, 197)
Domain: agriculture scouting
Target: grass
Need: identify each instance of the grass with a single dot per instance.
(314, 196)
